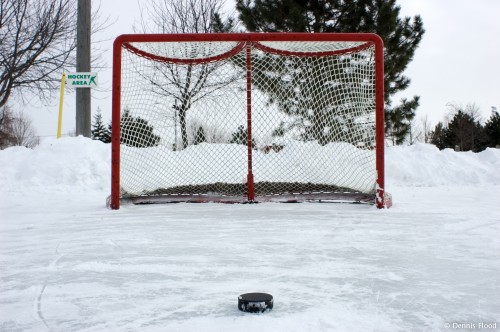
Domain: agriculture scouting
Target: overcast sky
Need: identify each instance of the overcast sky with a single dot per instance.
(456, 62)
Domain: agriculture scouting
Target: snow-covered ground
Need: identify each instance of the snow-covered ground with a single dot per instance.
(69, 264)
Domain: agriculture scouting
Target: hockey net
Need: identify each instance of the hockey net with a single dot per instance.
(247, 117)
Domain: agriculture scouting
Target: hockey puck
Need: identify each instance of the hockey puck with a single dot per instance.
(255, 302)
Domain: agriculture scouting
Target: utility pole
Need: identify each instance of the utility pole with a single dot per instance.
(83, 110)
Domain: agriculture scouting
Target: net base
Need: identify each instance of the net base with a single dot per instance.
(235, 194)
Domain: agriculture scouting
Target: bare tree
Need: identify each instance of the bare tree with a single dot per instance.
(470, 109)
(37, 39)
(186, 84)
(426, 127)
(414, 132)
(16, 130)
(23, 132)
(183, 16)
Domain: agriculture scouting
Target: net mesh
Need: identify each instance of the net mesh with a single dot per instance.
(185, 128)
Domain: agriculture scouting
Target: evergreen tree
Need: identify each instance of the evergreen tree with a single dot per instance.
(492, 129)
(438, 136)
(465, 133)
(401, 38)
(241, 137)
(398, 121)
(99, 131)
(200, 136)
(136, 132)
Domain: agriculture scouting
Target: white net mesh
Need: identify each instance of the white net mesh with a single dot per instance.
(184, 126)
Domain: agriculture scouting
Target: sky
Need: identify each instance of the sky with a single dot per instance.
(456, 62)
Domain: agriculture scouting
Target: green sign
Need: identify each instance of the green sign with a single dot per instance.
(81, 80)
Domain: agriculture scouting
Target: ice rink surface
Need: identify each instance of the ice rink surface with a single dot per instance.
(69, 264)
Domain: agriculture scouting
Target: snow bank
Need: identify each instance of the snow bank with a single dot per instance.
(81, 164)
(339, 164)
(424, 165)
(68, 164)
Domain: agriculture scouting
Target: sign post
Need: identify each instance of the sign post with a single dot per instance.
(61, 100)
(74, 80)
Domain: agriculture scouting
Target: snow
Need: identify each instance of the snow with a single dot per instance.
(352, 167)
(69, 264)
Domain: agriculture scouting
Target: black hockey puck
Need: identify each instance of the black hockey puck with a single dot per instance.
(255, 302)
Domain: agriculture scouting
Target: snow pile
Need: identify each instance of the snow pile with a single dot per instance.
(69, 164)
(81, 164)
(339, 164)
(424, 165)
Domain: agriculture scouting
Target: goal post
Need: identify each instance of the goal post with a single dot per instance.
(248, 117)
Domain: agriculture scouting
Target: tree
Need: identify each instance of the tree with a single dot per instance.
(437, 137)
(100, 131)
(465, 134)
(23, 132)
(415, 133)
(399, 120)
(6, 120)
(189, 84)
(426, 128)
(136, 132)
(200, 136)
(460, 132)
(37, 40)
(241, 137)
(465, 131)
(492, 129)
(16, 130)
(401, 38)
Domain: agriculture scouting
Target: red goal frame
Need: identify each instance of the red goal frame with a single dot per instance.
(245, 41)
